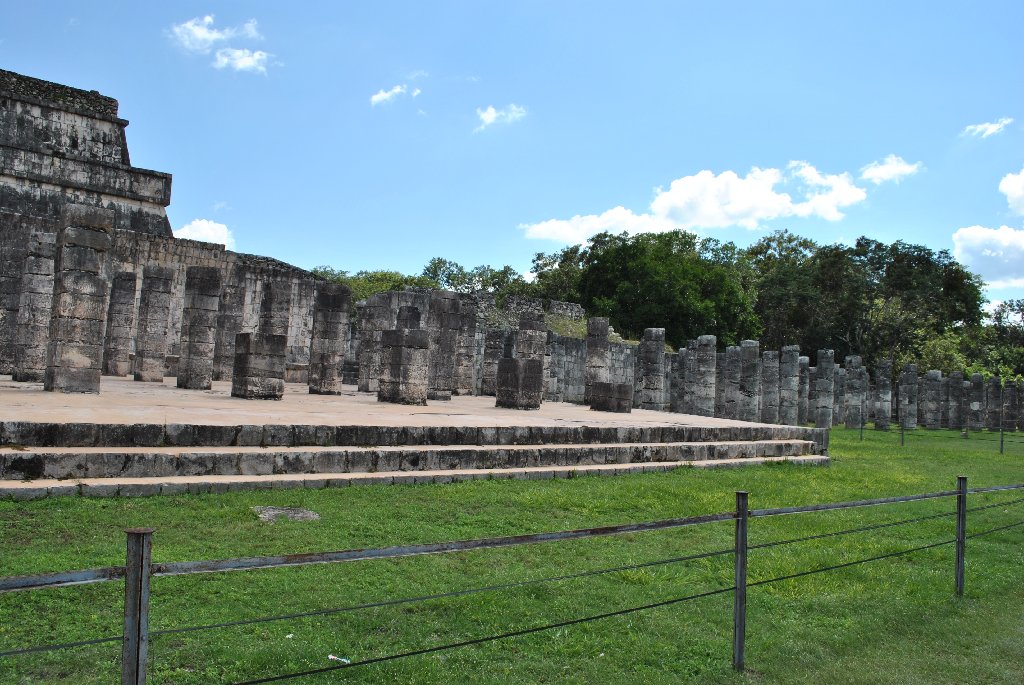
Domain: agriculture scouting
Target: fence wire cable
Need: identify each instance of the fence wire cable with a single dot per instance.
(811, 572)
(863, 529)
(996, 505)
(490, 638)
(994, 530)
(444, 595)
(65, 645)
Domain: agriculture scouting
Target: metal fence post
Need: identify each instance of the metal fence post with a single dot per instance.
(136, 606)
(739, 607)
(961, 532)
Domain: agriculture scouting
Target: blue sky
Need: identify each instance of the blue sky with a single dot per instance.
(379, 135)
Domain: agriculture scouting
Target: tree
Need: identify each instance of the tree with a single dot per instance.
(367, 283)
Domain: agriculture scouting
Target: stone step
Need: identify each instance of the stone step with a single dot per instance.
(71, 434)
(103, 462)
(176, 485)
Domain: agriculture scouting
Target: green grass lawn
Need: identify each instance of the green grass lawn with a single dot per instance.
(891, 621)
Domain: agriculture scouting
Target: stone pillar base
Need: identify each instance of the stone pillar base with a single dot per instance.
(259, 366)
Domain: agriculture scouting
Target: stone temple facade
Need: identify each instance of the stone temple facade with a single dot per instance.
(92, 282)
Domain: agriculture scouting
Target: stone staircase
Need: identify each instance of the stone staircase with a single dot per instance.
(39, 459)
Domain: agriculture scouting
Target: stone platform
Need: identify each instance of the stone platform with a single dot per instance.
(148, 438)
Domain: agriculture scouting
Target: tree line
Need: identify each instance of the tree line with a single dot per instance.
(898, 300)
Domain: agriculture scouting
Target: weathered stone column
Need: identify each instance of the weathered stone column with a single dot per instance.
(749, 407)
(720, 383)
(652, 367)
(465, 347)
(494, 350)
(789, 385)
(258, 372)
(520, 383)
(731, 378)
(803, 408)
(703, 390)
(883, 394)
(839, 396)
(856, 392)
(199, 327)
(824, 388)
(117, 346)
(443, 323)
(612, 397)
(931, 410)
(74, 351)
(993, 403)
(531, 339)
(405, 356)
(275, 306)
(598, 353)
(154, 316)
(771, 395)
(229, 322)
(329, 341)
(35, 304)
(350, 366)
(955, 403)
(944, 402)
(677, 398)
(976, 408)
(1010, 406)
(908, 397)
(375, 317)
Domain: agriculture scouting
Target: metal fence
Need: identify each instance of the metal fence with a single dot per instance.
(138, 570)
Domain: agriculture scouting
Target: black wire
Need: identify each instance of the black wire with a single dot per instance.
(443, 595)
(490, 638)
(996, 505)
(66, 645)
(993, 530)
(876, 526)
(850, 563)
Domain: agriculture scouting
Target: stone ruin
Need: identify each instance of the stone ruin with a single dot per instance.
(93, 282)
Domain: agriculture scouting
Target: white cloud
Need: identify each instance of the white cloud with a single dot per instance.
(707, 200)
(892, 168)
(505, 115)
(387, 95)
(416, 92)
(199, 35)
(1012, 186)
(997, 254)
(241, 59)
(207, 231)
(989, 128)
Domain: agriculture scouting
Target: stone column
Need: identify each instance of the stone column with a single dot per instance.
(944, 402)
(908, 397)
(955, 401)
(677, 397)
(199, 327)
(856, 392)
(258, 372)
(749, 408)
(883, 394)
(789, 385)
(1010, 406)
(117, 346)
(275, 306)
(703, 390)
(405, 355)
(803, 408)
(993, 403)
(494, 350)
(652, 367)
(839, 396)
(976, 406)
(443, 323)
(520, 383)
(154, 316)
(771, 388)
(824, 389)
(465, 347)
(598, 353)
(375, 317)
(74, 351)
(329, 341)
(612, 397)
(733, 366)
(720, 383)
(229, 322)
(350, 366)
(931, 410)
(35, 303)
